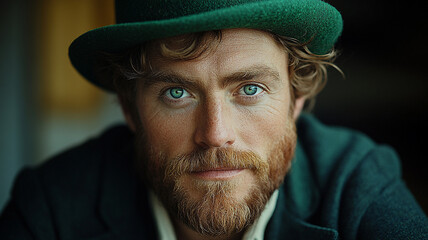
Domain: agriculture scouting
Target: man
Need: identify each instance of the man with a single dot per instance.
(216, 146)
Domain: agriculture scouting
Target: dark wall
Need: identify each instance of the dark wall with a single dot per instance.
(17, 114)
(385, 93)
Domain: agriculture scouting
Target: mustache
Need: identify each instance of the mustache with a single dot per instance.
(202, 160)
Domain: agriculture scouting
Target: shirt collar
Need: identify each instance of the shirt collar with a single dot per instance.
(166, 230)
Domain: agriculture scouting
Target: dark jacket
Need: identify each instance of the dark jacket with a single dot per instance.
(341, 186)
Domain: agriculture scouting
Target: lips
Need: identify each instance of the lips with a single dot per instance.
(217, 174)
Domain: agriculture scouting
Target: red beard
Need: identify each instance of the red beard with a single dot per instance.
(214, 211)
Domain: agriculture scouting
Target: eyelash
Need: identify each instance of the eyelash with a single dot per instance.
(251, 98)
(252, 84)
(163, 95)
(246, 98)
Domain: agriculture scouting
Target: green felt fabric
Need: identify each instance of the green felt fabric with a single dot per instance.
(341, 186)
(140, 21)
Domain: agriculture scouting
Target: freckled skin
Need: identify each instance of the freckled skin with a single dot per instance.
(214, 118)
(214, 115)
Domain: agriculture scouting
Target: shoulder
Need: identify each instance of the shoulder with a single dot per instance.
(338, 152)
(349, 176)
(113, 139)
(328, 160)
(82, 163)
(342, 184)
(332, 142)
(66, 188)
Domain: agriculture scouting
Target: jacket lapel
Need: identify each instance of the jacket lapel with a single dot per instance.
(297, 201)
(123, 205)
(283, 225)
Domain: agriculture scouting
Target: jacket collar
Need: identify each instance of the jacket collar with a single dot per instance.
(301, 192)
(284, 224)
(298, 200)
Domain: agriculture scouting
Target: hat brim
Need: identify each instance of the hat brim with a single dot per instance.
(303, 20)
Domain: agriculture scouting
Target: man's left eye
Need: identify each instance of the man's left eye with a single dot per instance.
(250, 90)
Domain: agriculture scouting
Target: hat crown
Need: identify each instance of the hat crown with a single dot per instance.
(152, 10)
(146, 20)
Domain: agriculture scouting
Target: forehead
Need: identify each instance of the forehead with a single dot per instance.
(238, 49)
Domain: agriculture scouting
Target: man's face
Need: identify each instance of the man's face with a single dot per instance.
(216, 134)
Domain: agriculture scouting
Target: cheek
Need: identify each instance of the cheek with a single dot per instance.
(263, 128)
(166, 133)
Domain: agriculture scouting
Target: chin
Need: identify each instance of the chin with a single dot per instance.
(219, 207)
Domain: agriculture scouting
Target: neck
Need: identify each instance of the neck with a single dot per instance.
(183, 232)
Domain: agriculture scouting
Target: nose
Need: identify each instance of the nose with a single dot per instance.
(214, 126)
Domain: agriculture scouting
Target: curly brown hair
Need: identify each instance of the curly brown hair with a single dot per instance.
(308, 71)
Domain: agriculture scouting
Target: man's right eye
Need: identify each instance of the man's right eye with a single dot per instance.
(176, 93)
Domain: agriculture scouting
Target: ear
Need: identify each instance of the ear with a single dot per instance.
(127, 114)
(298, 106)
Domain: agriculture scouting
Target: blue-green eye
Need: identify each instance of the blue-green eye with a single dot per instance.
(250, 90)
(176, 93)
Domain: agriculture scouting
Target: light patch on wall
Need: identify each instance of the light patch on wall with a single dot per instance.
(62, 89)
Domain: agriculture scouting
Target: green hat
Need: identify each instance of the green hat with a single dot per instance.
(143, 20)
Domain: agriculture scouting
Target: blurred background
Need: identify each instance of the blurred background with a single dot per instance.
(46, 106)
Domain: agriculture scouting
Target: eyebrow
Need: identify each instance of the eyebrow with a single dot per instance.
(161, 76)
(248, 73)
(253, 72)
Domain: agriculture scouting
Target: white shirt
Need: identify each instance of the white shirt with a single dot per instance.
(166, 229)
